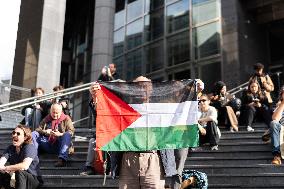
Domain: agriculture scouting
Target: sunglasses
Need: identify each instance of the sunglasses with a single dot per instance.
(203, 100)
(14, 132)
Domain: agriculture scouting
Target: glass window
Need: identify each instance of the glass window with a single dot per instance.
(199, 7)
(118, 42)
(209, 74)
(207, 40)
(154, 25)
(178, 48)
(119, 65)
(134, 34)
(153, 4)
(134, 64)
(182, 75)
(154, 57)
(119, 19)
(134, 9)
(177, 16)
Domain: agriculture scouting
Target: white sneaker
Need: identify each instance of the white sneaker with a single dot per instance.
(232, 129)
(214, 147)
(249, 128)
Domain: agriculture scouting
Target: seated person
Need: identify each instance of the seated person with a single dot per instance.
(54, 134)
(254, 104)
(275, 128)
(34, 113)
(207, 123)
(23, 161)
(220, 100)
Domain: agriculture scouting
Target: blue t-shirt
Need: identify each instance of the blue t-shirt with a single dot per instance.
(27, 151)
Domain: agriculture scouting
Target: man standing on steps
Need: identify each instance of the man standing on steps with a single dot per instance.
(275, 128)
(108, 73)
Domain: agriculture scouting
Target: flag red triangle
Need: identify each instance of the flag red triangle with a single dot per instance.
(113, 116)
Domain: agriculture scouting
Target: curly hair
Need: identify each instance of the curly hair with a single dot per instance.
(27, 133)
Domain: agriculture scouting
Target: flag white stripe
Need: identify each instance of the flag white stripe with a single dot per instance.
(165, 114)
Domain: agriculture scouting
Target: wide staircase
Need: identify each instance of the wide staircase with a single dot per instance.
(242, 161)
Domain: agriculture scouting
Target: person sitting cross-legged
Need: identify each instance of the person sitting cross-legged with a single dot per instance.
(54, 134)
(275, 128)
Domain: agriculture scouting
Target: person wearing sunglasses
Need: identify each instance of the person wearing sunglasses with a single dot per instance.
(207, 123)
(23, 161)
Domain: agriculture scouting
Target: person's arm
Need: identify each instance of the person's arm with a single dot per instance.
(268, 84)
(19, 166)
(277, 115)
(3, 160)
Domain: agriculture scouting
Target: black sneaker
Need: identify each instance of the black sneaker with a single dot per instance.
(88, 171)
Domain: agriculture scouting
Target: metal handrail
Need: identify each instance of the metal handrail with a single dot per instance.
(15, 87)
(49, 95)
(240, 87)
(79, 120)
(33, 100)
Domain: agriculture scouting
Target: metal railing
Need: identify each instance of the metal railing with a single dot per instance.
(238, 89)
(49, 96)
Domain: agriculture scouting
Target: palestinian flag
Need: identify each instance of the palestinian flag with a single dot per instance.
(139, 116)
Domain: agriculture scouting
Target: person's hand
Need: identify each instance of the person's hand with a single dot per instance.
(48, 131)
(63, 104)
(202, 130)
(108, 72)
(257, 104)
(37, 106)
(104, 70)
(56, 133)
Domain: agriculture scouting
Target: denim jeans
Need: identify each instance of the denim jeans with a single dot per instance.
(275, 128)
(61, 145)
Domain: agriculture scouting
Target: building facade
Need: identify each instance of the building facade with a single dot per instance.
(161, 39)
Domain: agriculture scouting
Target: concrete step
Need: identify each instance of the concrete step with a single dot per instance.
(237, 169)
(60, 170)
(225, 153)
(229, 160)
(248, 180)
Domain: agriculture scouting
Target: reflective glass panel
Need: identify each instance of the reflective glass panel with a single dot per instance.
(209, 74)
(119, 19)
(178, 48)
(151, 5)
(154, 25)
(207, 40)
(177, 16)
(154, 56)
(134, 9)
(134, 64)
(199, 7)
(134, 34)
(118, 42)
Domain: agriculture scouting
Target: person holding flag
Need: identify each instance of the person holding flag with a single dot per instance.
(143, 154)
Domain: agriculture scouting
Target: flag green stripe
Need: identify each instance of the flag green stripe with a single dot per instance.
(140, 139)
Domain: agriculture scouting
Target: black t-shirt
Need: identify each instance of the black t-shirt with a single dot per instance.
(27, 151)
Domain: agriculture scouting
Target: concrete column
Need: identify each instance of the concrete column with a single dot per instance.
(230, 43)
(51, 42)
(39, 44)
(103, 36)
